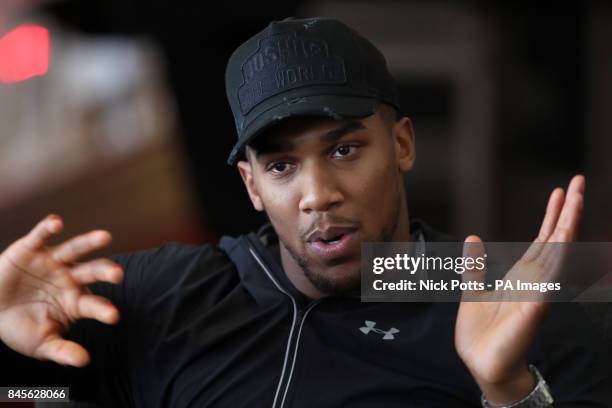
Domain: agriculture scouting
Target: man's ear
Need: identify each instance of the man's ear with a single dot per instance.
(246, 172)
(403, 135)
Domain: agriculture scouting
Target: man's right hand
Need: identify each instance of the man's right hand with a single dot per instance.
(43, 291)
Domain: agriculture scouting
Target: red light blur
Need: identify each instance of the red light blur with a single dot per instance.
(24, 53)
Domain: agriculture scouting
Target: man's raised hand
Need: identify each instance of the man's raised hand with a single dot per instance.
(492, 336)
(43, 291)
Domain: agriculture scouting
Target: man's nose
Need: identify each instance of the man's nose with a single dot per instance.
(320, 189)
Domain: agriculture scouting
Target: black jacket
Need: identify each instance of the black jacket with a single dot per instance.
(223, 326)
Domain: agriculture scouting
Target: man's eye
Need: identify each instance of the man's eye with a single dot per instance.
(279, 167)
(344, 150)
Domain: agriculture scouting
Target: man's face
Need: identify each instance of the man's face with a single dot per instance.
(327, 185)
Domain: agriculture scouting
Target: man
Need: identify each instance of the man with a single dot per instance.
(273, 318)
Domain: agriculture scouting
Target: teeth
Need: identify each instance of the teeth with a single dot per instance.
(333, 240)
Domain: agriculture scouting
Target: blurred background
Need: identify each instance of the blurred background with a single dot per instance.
(113, 113)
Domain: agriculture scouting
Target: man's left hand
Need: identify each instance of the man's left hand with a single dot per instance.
(493, 337)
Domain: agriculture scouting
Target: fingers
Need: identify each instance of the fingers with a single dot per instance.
(98, 308)
(553, 209)
(561, 219)
(576, 185)
(41, 233)
(79, 246)
(99, 270)
(63, 351)
(543, 250)
(567, 225)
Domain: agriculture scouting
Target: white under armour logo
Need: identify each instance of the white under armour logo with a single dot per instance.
(369, 327)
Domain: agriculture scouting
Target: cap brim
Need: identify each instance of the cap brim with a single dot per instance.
(332, 106)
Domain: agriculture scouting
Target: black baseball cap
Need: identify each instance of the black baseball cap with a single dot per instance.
(304, 67)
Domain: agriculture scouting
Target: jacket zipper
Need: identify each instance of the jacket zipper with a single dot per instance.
(295, 350)
(297, 316)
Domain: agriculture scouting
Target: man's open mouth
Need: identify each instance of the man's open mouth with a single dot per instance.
(332, 242)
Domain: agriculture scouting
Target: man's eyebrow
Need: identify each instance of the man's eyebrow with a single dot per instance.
(331, 136)
(335, 134)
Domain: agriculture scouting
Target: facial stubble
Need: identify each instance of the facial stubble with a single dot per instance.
(327, 282)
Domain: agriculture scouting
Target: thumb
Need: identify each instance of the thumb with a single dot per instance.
(475, 265)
